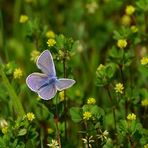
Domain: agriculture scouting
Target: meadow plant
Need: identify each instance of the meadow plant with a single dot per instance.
(92, 90)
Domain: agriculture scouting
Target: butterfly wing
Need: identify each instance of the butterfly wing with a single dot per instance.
(47, 92)
(36, 80)
(46, 64)
(64, 83)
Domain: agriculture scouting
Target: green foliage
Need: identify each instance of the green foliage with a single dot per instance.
(85, 47)
(105, 74)
(75, 113)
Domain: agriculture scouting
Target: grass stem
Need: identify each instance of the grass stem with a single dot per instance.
(12, 94)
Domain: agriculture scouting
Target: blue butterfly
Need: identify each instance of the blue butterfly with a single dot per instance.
(46, 84)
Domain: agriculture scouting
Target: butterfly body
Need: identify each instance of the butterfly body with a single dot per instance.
(46, 84)
(49, 81)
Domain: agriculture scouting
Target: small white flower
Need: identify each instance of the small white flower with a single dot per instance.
(53, 144)
(87, 141)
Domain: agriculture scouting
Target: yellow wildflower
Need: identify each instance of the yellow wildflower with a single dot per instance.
(50, 130)
(129, 10)
(80, 47)
(34, 55)
(122, 43)
(4, 126)
(126, 20)
(30, 116)
(91, 101)
(61, 54)
(100, 67)
(131, 116)
(144, 102)
(61, 95)
(78, 93)
(144, 61)
(146, 146)
(134, 29)
(143, 51)
(17, 74)
(4, 129)
(50, 34)
(51, 42)
(119, 88)
(23, 18)
(3, 123)
(92, 7)
(87, 115)
(29, 1)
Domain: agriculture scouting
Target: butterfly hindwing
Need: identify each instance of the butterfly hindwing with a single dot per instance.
(64, 83)
(36, 80)
(47, 92)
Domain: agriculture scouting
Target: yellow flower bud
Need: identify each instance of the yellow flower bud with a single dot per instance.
(51, 42)
(122, 43)
(30, 116)
(50, 34)
(87, 115)
(23, 18)
(119, 88)
(130, 10)
(34, 55)
(134, 29)
(100, 67)
(144, 61)
(144, 102)
(91, 101)
(4, 129)
(131, 116)
(126, 20)
(17, 74)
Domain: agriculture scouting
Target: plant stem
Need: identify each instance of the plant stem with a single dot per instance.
(123, 82)
(12, 94)
(58, 132)
(146, 23)
(3, 37)
(65, 102)
(57, 127)
(16, 12)
(113, 108)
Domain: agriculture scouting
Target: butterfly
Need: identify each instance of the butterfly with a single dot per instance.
(46, 84)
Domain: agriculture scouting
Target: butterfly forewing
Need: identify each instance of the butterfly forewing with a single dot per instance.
(64, 83)
(46, 64)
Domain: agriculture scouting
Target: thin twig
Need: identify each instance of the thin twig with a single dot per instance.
(65, 102)
(113, 108)
(57, 127)
(123, 82)
(58, 132)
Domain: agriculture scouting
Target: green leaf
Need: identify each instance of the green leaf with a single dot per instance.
(60, 41)
(75, 114)
(22, 132)
(110, 70)
(95, 110)
(123, 127)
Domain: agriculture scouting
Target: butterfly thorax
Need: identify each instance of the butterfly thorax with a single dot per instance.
(50, 80)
